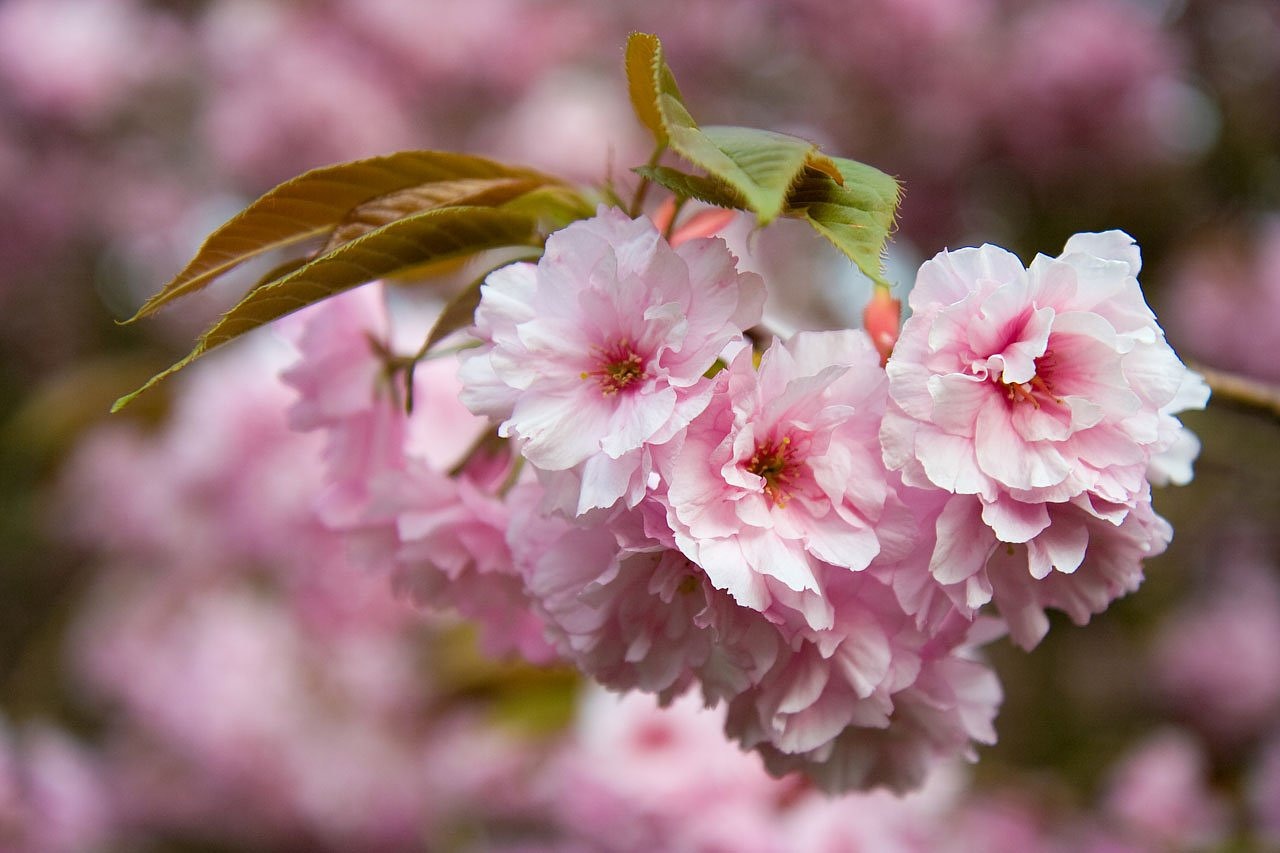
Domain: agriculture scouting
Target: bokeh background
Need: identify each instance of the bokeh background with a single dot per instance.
(188, 662)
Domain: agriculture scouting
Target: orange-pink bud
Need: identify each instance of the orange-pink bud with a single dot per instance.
(882, 318)
(705, 223)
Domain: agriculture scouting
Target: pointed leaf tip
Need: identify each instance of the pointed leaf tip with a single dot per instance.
(313, 205)
(410, 243)
(760, 166)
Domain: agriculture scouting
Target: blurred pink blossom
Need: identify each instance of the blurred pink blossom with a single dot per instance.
(451, 45)
(1264, 794)
(1224, 300)
(1084, 77)
(79, 59)
(1160, 793)
(1215, 657)
(54, 793)
(290, 92)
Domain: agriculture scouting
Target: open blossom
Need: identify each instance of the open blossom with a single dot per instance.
(1037, 396)
(597, 353)
(781, 475)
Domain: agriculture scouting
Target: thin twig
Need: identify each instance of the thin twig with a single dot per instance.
(1251, 394)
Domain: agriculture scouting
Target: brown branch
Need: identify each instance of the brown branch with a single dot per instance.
(1241, 391)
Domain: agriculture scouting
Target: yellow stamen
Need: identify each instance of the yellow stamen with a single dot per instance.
(772, 462)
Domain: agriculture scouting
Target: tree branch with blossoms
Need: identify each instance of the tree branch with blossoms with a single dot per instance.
(818, 532)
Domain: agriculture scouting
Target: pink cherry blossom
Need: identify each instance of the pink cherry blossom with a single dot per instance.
(1042, 393)
(597, 353)
(781, 475)
(1080, 563)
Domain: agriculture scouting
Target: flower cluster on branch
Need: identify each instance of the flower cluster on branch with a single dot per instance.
(800, 533)
(629, 472)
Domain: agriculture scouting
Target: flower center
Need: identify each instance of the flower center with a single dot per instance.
(774, 462)
(1025, 392)
(618, 367)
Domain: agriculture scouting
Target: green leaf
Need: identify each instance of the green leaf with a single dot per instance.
(856, 216)
(416, 240)
(760, 165)
(316, 203)
(648, 79)
(699, 187)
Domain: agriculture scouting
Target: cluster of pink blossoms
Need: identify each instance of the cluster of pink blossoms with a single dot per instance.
(804, 534)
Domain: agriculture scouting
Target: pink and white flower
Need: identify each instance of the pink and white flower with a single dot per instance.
(1085, 558)
(597, 353)
(781, 475)
(1039, 392)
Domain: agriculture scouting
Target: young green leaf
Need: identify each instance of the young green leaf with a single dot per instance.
(699, 187)
(648, 79)
(760, 165)
(412, 242)
(856, 216)
(314, 204)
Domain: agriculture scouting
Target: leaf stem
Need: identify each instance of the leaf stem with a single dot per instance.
(675, 214)
(513, 476)
(642, 190)
(487, 440)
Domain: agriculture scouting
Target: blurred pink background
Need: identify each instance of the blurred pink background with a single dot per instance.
(189, 660)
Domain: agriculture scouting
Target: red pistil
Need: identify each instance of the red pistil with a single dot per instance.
(620, 367)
